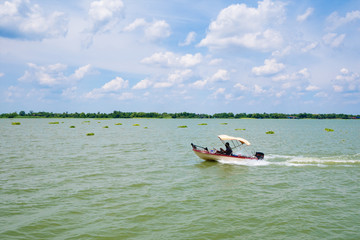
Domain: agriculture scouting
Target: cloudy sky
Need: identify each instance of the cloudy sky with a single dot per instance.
(203, 56)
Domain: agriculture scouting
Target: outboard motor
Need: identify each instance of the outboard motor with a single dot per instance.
(259, 155)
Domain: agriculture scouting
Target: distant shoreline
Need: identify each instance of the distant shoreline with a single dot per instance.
(182, 115)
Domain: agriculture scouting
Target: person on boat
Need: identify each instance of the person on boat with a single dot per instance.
(228, 150)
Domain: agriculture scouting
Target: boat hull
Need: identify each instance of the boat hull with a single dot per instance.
(208, 156)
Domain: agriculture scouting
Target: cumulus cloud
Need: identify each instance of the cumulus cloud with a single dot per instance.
(170, 59)
(152, 30)
(21, 19)
(333, 39)
(301, 74)
(220, 75)
(199, 83)
(175, 78)
(52, 75)
(44, 75)
(81, 72)
(347, 81)
(334, 20)
(258, 90)
(143, 84)
(139, 22)
(271, 66)
(299, 81)
(312, 88)
(104, 14)
(241, 87)
(304, 16)
(112, 87)
(115, 85)
(189, 39)
(218, 92)
(239, 25)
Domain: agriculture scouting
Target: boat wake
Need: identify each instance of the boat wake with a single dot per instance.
(300, 161)
(246, 162)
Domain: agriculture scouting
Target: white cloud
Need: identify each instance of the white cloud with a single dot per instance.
(152, 30)
(338, 88)
(304, 16)
(258, 90)
(143, 84)
(21, 19)
(112, 87)
(52, 75)
(241, 87)
(70, 92)
(45, 75)
(333, 39)
(309, 47)
(115, 85)
(221, 74)
(344, 71)
(104, 14)
(139, 22)
(298, 81)
(189, 39)
(215, 61)
(157, 30)
(347, 81)
(199, 84)
(2, 74)
(218, 92)
(175, 78)
(240, 25)
(334, 20)
(300, 75)
(169, 59)
(312, 88)
(270, 67)
(189, 60)
(282, 52)
(81, 72)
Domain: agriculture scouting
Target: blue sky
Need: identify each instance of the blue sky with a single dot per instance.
(174, 56)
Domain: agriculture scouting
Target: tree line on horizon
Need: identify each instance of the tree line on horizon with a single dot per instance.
(119, 114)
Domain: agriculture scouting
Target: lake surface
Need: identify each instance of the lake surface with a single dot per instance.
(144, 182)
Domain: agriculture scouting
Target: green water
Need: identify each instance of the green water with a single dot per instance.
(144, 182)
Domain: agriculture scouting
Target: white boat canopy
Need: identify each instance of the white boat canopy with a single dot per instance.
(230, 138)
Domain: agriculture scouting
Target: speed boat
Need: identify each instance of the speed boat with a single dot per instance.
(237, 144)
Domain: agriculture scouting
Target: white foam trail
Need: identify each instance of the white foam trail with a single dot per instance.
(246, 162)
(296, 161)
